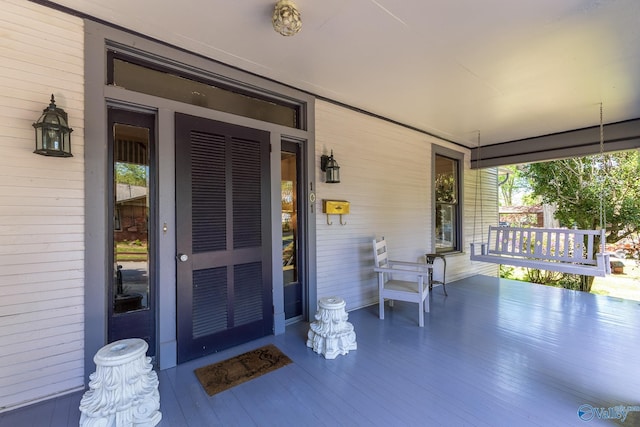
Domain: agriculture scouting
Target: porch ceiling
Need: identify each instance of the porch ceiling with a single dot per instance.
(509, 69)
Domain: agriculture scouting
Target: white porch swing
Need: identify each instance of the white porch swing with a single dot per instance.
(552, 249)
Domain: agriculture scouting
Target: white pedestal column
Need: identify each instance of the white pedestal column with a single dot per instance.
(331, 334)
(123, 391)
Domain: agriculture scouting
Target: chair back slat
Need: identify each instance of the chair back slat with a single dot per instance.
(381, 257)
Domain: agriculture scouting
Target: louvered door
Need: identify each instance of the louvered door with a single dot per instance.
(223, 235)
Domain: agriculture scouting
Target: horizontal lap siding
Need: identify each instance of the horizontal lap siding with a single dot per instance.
(480, 212)
(41, 207)
(385, 173)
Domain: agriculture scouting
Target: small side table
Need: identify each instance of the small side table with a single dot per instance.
(331, 334)
(430, 260)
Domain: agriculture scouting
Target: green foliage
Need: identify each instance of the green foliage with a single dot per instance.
(129, 173)
(446, 188)
(507, 272)
(512, 181)
(544, 277)
(578, 186)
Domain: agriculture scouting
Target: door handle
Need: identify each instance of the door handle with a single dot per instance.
(182, 257)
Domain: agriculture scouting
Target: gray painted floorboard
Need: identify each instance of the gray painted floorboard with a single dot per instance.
(492, 353)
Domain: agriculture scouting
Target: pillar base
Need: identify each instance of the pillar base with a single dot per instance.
(123, 391)
(331, 335)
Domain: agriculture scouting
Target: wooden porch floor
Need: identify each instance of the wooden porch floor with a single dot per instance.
(492, 353)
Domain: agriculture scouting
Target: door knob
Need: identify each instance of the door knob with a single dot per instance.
(183, 257)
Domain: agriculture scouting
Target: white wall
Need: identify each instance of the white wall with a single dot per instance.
(41, 207)
(385, 172)
(480, 211)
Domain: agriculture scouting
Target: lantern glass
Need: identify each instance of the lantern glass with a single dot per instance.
(333, 174)
(53, 135)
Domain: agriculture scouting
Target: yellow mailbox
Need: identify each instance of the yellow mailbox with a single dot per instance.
(335, 207)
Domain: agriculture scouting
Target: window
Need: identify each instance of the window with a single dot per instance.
(447, 204)
(136, 75)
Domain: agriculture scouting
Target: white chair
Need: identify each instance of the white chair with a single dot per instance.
(413, 285)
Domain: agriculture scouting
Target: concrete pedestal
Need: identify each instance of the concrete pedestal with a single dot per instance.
(331, 334)
(123, 391)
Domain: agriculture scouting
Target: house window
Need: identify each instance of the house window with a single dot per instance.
(201, 90)
(447, 204)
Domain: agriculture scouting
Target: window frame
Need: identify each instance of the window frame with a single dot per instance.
(457, 157)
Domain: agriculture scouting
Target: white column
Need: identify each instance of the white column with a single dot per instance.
(331, 334)
(123, 391)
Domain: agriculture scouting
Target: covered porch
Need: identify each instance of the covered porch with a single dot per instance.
(494, 352)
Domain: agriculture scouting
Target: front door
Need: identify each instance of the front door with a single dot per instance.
(224, 287)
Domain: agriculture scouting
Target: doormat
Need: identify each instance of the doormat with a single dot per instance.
(237, 370)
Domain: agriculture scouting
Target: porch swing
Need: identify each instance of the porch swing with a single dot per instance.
(552, 249)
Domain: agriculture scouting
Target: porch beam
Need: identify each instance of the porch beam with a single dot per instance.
(580, 142)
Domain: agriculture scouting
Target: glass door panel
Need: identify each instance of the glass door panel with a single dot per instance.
(290, 230)
(131, 290)
(131, 225)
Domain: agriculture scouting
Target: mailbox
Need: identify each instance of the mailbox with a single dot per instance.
(335, 207)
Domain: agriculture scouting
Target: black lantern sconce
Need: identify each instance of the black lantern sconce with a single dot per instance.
(53, 134)
(331, 169)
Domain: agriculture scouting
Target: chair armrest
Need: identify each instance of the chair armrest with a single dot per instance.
(415, 273)
(419, 266)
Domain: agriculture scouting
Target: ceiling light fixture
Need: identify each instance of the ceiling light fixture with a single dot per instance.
(286, 18)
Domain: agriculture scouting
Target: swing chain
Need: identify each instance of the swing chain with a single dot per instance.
(478, 189)
(603, 213)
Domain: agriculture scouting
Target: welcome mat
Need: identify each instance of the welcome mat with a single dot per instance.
(237, 370)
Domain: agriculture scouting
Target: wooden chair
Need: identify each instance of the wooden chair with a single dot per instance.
(402, 281)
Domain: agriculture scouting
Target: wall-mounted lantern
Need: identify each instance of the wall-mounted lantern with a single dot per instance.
(332, 171)
(53, 134)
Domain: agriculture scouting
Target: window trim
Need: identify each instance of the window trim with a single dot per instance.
(459, 158)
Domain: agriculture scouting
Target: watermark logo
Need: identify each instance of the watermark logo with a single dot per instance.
(588, 412)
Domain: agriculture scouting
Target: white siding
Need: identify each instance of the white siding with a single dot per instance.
(480, 211)
(385, 172)
(41, 207)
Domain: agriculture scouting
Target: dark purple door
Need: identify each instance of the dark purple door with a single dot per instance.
(224, 289)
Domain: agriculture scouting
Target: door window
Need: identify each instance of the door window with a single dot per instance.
(131, 222)
(131, 291)
(291, 259)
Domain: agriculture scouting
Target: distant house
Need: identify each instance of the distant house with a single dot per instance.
(131, 220)
(528, 216)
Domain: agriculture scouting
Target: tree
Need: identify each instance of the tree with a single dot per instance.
(130, 173)
(511, 183)
(586, 189)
